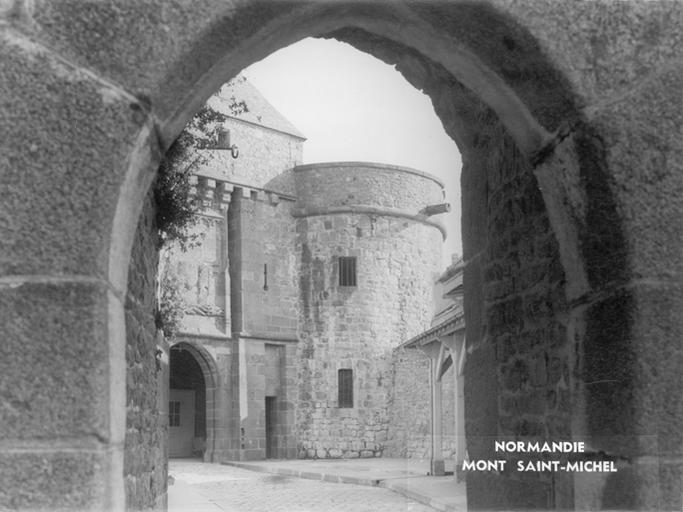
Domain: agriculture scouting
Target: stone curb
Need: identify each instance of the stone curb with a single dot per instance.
(435, 503)
(309, 475)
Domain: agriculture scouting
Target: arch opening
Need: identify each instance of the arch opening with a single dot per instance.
(568, 264)
(477, 64)
(192, 406)
(477, 126)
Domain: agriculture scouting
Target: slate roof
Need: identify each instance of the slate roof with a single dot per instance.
(453, 323)
(260, 112)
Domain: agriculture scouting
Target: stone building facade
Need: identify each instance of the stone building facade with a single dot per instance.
(418, 429)
(304, 280)
(370, 215)
(568, 118)
(239, 293)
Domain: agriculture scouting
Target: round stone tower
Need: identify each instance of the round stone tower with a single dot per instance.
(369, 254)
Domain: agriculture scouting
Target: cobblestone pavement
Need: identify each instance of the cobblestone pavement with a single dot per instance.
(201, 487)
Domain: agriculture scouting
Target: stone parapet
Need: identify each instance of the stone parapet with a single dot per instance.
(216, 193)
(368, 210)
(368, 166)
(366, 184)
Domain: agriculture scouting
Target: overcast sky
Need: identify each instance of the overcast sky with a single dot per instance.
(351, 106)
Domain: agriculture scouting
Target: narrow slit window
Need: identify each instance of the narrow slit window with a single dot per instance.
(174, 413)
(347, 271)
(345, 384)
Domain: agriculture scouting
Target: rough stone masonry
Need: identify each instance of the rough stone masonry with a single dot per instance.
(580, 101)
(370, 213)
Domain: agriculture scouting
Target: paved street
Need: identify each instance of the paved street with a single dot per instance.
(203, 487)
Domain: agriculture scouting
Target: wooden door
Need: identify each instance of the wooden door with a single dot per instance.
(271, 418)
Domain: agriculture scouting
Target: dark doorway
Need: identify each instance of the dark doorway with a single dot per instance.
(271, 421)
(187, 406)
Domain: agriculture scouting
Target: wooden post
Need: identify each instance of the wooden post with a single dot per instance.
(437, 465)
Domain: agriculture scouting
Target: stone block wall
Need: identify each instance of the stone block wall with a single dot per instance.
(525, 302)
(263, 298)
(201, 275)
(520, 365)
(356, 327)
(268, 374)
(252, 402)
(409, 432)
(264, 154)
(286, 404)
(268, 265)
(222, 408)
(363, 183)
(145, 456)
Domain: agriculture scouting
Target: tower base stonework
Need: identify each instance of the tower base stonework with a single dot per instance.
(368, 261)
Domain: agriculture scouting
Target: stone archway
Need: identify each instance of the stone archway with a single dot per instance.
(596, 260)
(197, 371)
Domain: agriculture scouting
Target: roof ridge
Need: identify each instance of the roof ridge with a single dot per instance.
(259, 110)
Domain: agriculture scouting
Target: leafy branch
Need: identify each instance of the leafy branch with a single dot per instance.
(176, 208)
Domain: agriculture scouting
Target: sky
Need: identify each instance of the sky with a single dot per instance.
(353, 107)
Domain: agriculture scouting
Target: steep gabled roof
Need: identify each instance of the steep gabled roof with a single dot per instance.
(259, 112)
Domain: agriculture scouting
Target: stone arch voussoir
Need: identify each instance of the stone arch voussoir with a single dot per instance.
(103, 89)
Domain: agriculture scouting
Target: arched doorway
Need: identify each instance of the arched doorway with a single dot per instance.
(191, 402)
(186, 406)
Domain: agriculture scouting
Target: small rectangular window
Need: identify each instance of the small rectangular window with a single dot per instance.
(347, 271)
(345, 384)
(174, 414)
